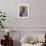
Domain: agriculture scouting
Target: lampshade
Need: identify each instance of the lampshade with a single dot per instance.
(7, 30)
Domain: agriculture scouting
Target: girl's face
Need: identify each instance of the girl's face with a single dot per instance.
(22, 8)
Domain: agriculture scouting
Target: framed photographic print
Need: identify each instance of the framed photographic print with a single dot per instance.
(23, 10)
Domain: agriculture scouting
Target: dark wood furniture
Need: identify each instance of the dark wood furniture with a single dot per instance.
(8, 41)
(44, 44)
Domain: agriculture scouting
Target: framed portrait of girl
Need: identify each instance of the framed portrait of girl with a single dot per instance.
(23, 10)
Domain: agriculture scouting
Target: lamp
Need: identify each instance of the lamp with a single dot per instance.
(7, 31)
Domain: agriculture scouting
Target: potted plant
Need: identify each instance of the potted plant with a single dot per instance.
(2, 19)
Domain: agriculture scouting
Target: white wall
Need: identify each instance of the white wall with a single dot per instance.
(37, 13)
(36, 22)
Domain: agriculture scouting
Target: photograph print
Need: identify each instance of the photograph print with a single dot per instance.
(23, 10)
